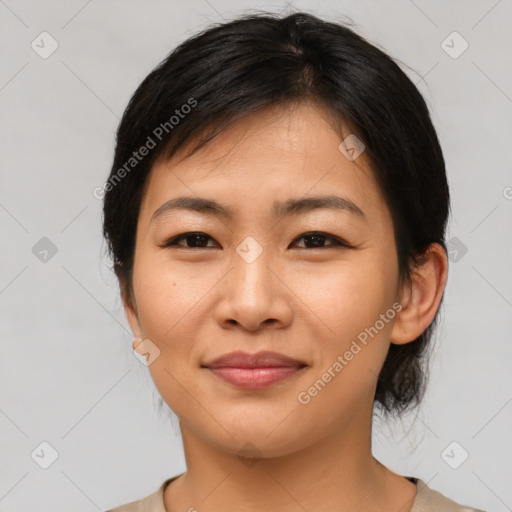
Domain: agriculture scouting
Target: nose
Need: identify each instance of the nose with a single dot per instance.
(255, 294)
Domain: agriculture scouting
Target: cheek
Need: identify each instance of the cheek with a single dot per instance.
(351, 302)
(166, 298)
(353, 351)
(349, 297)
(167, 305)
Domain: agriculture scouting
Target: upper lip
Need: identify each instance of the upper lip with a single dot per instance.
(263, 359)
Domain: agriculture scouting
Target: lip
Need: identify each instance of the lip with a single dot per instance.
(254, 371)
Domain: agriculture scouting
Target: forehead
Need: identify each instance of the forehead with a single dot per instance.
(273, 154)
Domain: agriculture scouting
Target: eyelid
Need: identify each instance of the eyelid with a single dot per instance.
(171, 242)
(338, 242)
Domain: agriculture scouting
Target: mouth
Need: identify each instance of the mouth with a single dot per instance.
(254, 371)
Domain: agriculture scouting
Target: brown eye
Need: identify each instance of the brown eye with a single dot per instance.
(199, 240)
(317, 240)
(195, 240)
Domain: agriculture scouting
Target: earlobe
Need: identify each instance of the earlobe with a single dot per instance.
(421, 296)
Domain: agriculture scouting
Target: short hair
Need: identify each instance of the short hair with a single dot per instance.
(232, 69)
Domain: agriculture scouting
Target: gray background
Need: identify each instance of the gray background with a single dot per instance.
(67, 374)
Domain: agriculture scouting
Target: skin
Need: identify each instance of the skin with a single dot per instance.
(197, 303)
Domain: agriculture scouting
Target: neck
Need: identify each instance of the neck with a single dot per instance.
(335, 473)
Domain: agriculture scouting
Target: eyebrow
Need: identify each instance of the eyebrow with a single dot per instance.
(280, 209)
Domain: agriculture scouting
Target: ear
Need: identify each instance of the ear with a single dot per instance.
(421, 297)
(130, 311)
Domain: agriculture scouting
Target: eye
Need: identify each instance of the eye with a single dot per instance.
(195, 239)
(314, 240)
(317, 239)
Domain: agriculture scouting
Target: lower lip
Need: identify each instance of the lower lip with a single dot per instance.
(255, 378)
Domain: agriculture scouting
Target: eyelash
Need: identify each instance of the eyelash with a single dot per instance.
(337, 241)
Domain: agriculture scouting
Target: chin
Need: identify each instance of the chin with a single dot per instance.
(260, 439)
(249, 447)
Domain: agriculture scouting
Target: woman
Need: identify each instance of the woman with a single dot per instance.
(276, 214)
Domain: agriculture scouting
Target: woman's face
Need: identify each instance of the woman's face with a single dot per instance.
(251, 281)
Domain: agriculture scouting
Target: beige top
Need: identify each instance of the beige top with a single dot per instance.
(427, 500)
